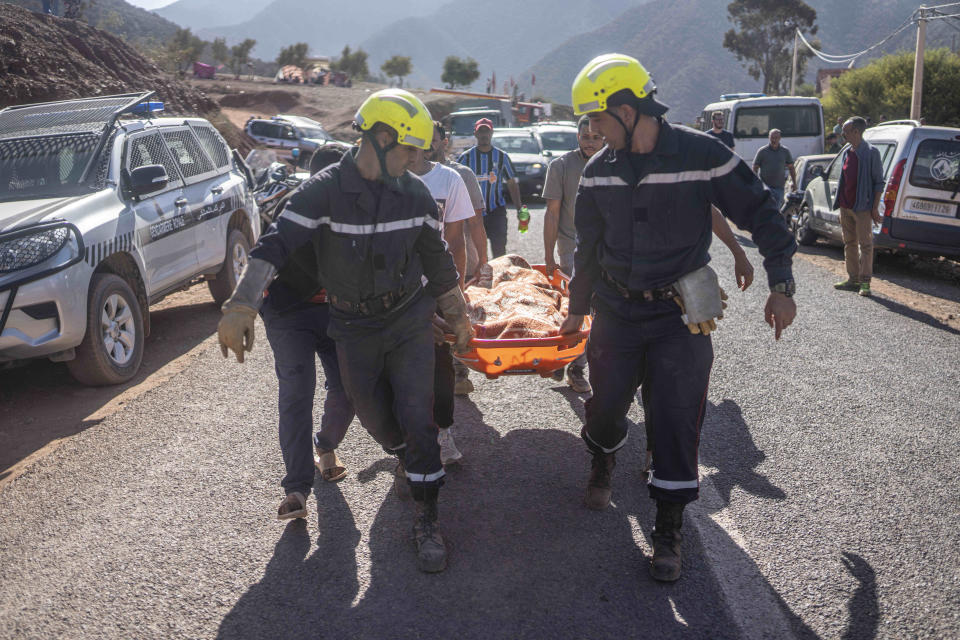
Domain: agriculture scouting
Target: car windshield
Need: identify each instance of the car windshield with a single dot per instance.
(937, 166)
(463, 125)
(315, 132)
(559, 140)
(516, 144)
(792, 120)
(45, 167)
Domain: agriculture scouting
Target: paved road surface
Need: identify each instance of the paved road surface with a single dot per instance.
(828, 507)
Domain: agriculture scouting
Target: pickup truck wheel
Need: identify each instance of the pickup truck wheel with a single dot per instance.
(238, 252)
(112, 347)
(801, 227)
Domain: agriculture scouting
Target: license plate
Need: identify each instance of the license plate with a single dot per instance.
(930, 207)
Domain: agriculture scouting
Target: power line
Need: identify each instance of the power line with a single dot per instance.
(851, 57)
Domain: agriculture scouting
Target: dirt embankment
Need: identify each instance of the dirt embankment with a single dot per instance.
(45, 58)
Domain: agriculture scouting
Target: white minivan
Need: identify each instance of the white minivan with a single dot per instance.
(750, 117)
(921, 198)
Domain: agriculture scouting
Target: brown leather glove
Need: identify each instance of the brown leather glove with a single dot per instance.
(236, 330)
(454, 309)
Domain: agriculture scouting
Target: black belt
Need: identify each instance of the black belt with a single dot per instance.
(371, 306)
(646, 295)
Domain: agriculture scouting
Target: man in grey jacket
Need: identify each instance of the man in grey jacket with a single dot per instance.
(858, 197)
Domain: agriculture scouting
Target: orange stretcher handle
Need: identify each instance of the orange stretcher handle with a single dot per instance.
(564, 341)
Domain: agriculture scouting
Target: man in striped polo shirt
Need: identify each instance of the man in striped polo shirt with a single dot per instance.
(492, 167)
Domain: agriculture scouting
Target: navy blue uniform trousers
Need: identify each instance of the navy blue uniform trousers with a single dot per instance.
(297, 336)
(647, 343)
(388, 373)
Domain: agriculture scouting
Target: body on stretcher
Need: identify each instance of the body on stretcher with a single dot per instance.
(526, 356)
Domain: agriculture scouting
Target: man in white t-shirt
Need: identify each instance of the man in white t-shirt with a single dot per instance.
(450, 192)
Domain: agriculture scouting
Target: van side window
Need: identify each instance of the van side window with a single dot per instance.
(835, 169)
(886, 150)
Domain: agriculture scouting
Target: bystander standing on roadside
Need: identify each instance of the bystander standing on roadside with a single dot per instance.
(718, 132)
(839, 126)
(492, 167)
(771, 163)
(833, 144)
(858, 197)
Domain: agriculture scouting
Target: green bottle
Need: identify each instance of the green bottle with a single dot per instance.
(523, 216)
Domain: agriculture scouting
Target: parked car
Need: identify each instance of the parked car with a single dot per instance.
(526, 155)
(920, 207)
(556, 139)
(807, 168)
(104, 210)
(286, 132)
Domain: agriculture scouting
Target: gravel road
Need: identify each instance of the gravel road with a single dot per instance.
(828, 461)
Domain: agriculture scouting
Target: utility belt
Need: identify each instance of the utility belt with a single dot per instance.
(644, 295)
(376, 305)
(318, 298)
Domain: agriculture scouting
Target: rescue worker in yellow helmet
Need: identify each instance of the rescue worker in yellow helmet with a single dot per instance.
(643, 220)
(375, 230)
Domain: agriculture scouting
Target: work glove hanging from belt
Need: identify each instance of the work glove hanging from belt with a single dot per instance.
(454, 309)
(701, 300)
(236, 330)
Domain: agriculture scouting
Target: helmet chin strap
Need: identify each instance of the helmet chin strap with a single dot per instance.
(629, 131)
(381, 154)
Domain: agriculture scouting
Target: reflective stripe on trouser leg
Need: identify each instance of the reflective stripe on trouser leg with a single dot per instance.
(613, 352)
(676, 377)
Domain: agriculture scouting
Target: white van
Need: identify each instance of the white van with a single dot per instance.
(751, 116)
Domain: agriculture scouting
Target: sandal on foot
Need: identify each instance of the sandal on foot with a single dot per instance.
(329, 465)
(293, 506)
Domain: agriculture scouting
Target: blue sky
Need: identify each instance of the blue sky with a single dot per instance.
(150, 4)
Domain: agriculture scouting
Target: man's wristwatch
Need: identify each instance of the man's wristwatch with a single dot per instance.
(787, 288)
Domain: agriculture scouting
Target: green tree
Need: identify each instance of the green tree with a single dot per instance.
(763, 39)
(184, 49)
(353, 63)
(397, 67)
(885, 87)
(295, 54)
(240, 55)
(459, 73)
(219, 51)
(110, 21)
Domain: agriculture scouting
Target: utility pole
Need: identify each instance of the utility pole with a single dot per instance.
(793, 77)
(915, 103)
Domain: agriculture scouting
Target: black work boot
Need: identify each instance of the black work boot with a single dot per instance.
(598, 487)
(667, 560)
(431, 552)
(400, 484)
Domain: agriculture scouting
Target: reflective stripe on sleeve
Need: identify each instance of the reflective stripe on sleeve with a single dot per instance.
(691, 176)
(603, 181)
(425, 477)
(358, 229)
(673, 484)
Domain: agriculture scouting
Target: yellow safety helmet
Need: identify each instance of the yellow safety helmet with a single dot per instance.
(402, 111)
(606, 75)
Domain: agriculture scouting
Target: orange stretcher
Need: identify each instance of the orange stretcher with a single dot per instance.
(526, 356)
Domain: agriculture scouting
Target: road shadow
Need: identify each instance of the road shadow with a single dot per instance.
(914, 314)
(40, 402)
(526, 559)
(304, 594)
(728, 446)
(864, 606)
